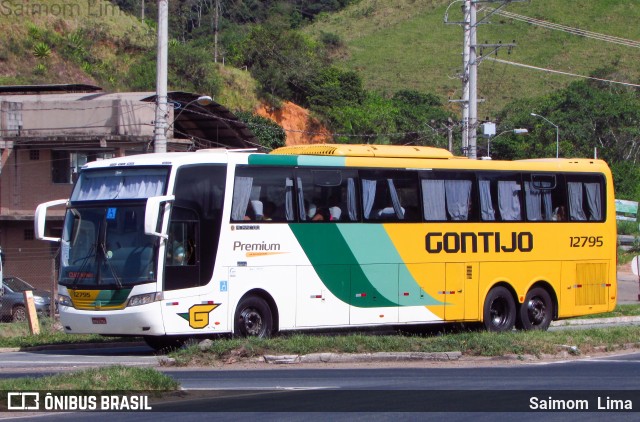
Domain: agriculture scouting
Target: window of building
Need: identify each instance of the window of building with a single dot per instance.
(29, 234)
(65, 165)
(34, 154)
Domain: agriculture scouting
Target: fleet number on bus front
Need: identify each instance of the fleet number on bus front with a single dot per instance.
(586, 241)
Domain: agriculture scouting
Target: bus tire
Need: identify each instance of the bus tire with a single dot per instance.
(253, 318)
(164, 344)
(536, 312)
(499, 312)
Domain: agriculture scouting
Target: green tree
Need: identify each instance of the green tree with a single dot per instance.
(280, 59)
(592, 118)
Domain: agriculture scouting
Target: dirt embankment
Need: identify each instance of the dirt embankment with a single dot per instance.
(298, 124)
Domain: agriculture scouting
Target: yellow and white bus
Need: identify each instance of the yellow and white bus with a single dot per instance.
(176, 245)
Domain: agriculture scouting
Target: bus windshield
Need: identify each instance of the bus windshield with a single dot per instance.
(105, 247)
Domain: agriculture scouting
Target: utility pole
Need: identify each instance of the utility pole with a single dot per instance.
(159, 135)
(216, 15)
(466, 51)
(473, 79)
(142, 11)
(470, 61)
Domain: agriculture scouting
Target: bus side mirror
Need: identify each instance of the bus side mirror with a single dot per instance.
(152, 213)
(41, 218)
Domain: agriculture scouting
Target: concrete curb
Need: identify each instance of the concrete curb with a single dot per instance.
(595, 321)
(362, 357)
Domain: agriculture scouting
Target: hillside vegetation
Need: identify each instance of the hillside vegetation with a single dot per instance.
(95, 42)
(405, 44)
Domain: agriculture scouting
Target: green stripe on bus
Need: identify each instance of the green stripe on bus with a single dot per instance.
(314, 160)
(273, 160)
(296, 160)
(365, 273)
(383, 262)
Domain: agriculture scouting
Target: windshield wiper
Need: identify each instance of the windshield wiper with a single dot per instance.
(83, 266)
(102, 254)
(103, 249)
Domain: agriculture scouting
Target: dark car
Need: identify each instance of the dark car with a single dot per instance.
(12, 306)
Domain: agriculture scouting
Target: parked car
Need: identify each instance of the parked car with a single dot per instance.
(12, 306)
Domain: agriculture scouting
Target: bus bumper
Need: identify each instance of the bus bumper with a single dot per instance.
(137, 321)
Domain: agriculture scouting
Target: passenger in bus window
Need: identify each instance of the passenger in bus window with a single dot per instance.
(322, 214)
(559, 214)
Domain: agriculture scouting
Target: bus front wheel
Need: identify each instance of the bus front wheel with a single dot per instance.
(536, 312)
(253, 318)
(499, 310)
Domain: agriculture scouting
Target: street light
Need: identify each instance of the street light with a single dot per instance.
(202, 100)
(514, 131)
(557, 132)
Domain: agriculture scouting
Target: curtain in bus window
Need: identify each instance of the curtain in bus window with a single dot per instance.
(303, 211)
(486, 204)
(129, 187)
(576, 211)
(352, 202)
(395, 200)
(593, 201)
(533, 200)
(433, 200)
(140, 187)
(241, 195)
(547, 205)
(508, 200)
(368, 196)
(458, 194)
(288, 200)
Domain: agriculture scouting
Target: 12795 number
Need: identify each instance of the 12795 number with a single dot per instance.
(586, 241)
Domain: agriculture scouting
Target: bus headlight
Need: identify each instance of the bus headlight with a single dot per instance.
(144, 299)
(64, 300)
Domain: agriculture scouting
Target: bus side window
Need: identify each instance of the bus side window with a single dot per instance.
(390, 195)
(585, 197)
(544, 197)
(448, 196)
(262, 194)
(500, 197)
(327, 195)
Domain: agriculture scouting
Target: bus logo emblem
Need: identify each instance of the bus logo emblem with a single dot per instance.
(198, 315)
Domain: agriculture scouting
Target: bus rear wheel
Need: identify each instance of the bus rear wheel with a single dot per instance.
(536, 312)
(499, 312)
(253, 318)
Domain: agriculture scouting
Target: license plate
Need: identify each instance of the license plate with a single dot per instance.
(99, 320)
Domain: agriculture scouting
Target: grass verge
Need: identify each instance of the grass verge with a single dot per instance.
(470, 343)
(17, 334)
(111, 378)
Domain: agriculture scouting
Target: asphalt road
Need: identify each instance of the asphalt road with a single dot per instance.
(399, 393)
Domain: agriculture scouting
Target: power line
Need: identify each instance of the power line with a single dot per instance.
(560, 72)
(567, 29)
